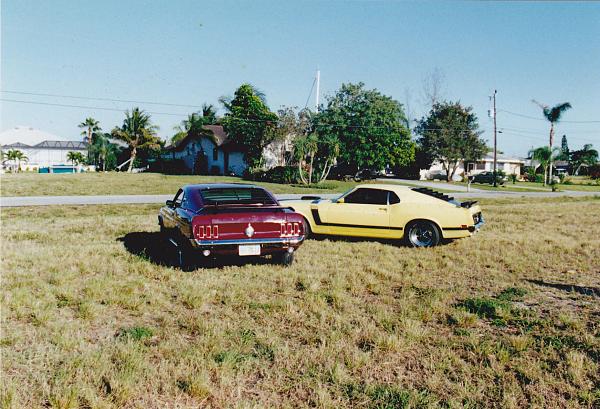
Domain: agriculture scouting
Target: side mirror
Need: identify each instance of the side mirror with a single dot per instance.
(340, 200)
(170, 203)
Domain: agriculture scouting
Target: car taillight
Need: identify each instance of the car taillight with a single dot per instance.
(206, 232)
(290, 229)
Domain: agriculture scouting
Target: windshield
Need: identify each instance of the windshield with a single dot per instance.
(236, 196)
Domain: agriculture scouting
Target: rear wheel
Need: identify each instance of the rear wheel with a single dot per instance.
(422, 233)
(307, 229)
(284, 258)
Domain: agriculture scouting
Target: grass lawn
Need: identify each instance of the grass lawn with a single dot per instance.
(113, 183)
(507, 318)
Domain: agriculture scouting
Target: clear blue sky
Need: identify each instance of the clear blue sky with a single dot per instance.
(191, 52)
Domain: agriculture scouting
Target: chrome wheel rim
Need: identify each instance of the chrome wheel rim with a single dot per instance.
(421, 235)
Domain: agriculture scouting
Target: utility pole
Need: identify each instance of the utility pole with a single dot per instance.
(318, 90)
(495, 143)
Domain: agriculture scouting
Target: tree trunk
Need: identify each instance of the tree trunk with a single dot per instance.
(301, 172)
(310, 169)
(131, 159)
(545, 171)
(551, 143)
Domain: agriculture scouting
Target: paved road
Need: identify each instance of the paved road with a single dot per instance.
(431, 185)
(141, 199)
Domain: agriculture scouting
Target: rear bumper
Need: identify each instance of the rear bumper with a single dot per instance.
(267, 246)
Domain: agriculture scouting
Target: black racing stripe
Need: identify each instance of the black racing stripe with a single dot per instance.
(455, 228)
(317, 218)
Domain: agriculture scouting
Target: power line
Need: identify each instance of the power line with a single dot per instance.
(541, 119)
(101, 99)
(84, 107)
(389, 127)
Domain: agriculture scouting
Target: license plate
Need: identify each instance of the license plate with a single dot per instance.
(249, 250)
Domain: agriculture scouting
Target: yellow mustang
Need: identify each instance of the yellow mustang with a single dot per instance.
(420, 216)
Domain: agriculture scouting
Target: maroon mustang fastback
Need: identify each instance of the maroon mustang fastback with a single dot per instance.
(230, 219)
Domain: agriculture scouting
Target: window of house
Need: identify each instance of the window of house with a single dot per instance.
(480, 166)
(215, 154)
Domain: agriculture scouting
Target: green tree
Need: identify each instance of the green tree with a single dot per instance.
(315, 155)
(586, 156)
(564, 149)
(249, 123)
(544, 155)
(138, 133)
(90, 127)
(104, 151)
(369, 126)
(194, 125)
(75, 158)
(450, 134)
(16, 156)
(553, 115)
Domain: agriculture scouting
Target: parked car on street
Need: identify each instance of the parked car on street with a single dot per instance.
(488, 177)
(230, 219)
(419, 216)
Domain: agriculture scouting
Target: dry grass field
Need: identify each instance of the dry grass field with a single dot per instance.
(94, 317)
(112, 183)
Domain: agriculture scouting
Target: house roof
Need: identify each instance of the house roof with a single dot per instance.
(503, 158)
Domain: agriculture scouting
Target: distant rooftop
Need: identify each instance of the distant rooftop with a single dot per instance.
(27, 136)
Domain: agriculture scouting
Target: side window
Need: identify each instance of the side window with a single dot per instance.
(394, 198)
(367, 196)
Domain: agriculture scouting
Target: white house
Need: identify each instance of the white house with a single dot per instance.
(508, 164)
(211, 152)
(43, 149)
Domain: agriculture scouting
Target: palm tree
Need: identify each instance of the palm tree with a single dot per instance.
(544, 155)
(17, 157)
(138, 132)
(75, 158)
(194, 123)
(90, 126)
(209, 114)
(104, 149)
(553, 116)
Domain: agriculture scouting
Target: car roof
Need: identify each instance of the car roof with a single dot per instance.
(206, 186)
(386, 186)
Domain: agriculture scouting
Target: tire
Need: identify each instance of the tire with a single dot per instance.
(284, 258)
(422, 233)
(307, 230)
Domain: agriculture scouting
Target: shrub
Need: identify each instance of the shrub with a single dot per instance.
(282, 174)
(594, 171)
(513, 178)
(278, 174)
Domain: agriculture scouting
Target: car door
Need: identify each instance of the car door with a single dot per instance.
(362, 212)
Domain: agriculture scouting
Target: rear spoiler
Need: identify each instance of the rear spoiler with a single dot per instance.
(240, 209)
(468, 204)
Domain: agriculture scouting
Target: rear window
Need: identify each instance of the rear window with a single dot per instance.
(223, 196)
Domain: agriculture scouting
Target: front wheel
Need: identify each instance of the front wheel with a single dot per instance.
(422, 233)
(285, 258)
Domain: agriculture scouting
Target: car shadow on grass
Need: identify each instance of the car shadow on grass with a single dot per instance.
(350, 239)
(155, 248)
(570, 288)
